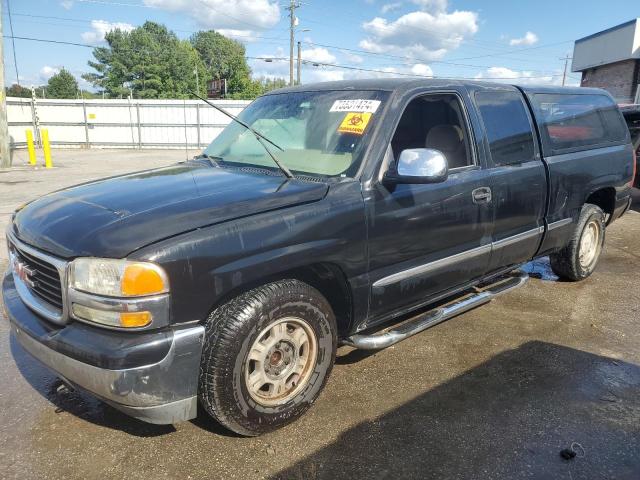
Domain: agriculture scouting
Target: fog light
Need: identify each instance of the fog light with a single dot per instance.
(112, 319)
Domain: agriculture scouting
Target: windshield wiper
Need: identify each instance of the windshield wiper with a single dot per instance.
(213, 160)
(261, 138)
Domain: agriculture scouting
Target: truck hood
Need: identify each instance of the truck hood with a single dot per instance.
(113, 217)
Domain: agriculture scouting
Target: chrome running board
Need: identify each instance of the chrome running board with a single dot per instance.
(377, 341)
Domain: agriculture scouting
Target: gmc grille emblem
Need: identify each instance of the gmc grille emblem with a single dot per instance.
(24, 273)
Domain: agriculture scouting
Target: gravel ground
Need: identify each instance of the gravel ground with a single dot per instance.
(495, 393)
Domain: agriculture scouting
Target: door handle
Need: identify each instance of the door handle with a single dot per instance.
(481, 195)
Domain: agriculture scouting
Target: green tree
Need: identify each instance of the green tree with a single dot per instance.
(62, 85)
(224, 58)
(16, 90)
(149, 61)
(259, 86)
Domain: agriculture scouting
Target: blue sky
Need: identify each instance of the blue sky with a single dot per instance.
(517, 41)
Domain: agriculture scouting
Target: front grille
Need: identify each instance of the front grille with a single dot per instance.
(44, 278)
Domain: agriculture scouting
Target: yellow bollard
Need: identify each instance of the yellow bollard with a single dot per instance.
(46, 148)
(31, 148)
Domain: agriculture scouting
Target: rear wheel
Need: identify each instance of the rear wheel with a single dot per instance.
(266, 357)
(578, 259)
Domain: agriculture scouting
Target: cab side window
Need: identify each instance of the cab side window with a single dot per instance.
(507, 126)
(434, 121)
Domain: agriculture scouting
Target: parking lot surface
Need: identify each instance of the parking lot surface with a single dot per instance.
(495, 393)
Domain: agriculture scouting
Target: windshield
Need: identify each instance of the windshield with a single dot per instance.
(320, 133)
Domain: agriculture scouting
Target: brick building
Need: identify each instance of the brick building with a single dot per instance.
(611, 60)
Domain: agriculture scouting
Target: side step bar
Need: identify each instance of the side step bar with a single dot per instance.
(420, 323)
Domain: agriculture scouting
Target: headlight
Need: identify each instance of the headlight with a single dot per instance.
(117, 278)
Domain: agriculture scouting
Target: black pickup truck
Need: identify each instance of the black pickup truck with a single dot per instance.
(355, 213)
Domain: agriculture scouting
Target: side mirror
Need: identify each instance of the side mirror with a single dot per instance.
(420, 165)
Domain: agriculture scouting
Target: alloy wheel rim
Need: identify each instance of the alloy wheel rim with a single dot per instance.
(280, 361)
(589, 244)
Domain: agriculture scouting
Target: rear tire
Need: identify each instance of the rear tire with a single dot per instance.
(578, 259)
(266, 357)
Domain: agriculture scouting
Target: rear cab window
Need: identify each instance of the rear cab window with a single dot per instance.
(507, 125)
(572, 122)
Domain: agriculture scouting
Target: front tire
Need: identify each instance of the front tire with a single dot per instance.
(578, 259)
(266, 356)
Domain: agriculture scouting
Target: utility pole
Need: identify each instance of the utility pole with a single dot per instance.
(5, 153)
(299, 62)
(292, 27)
(566, 63)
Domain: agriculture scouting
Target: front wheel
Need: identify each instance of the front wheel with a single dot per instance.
(266, 356)
(578, 259)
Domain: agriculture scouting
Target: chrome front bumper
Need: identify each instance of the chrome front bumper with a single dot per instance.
(163, 392)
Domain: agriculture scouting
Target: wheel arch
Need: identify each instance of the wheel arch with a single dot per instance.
(326, 277)
(605, 198)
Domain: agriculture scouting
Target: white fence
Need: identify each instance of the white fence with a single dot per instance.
(119, 123)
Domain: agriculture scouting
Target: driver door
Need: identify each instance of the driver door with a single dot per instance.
(425, 239)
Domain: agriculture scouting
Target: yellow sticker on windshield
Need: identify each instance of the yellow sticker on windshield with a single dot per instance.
(355, 123)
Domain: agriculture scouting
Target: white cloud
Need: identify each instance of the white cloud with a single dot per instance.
(318, 54)
(427, 33)
(66, 4)
(352, 57)
(434, 6)
(242, 17)
(101, 28)
(47, 72)
(390, 7)
(241, 35)
(422, 70)
(523, 77)
(529, 39)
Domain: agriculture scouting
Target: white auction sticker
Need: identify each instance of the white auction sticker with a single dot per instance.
(355, 105)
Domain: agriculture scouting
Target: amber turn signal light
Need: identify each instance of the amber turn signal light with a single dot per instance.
(143, 279)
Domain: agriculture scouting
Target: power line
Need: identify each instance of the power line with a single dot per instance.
(413, 27)
(87, 21)
(333, 47)
(354, 13)
(518, 50)
(118, 4)
(403, 74)
(479, 43)
(306, 62)
(363, 52)
(13, 42)
(140, 5)
(416, 75)
(402, 57)
(46, 40)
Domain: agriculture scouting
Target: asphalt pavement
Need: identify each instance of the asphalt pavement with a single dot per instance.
(497, 392)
